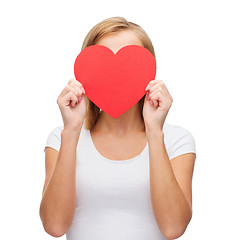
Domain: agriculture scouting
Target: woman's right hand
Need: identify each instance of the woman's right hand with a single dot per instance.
(72, 104)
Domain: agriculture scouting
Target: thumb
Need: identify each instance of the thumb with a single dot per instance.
(147, 96)
(81, 99)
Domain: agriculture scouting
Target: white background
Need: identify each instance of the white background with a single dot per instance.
(198, 58)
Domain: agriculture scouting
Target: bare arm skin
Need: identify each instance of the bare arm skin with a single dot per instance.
(59, 194)
(170, 183)
(58, 201)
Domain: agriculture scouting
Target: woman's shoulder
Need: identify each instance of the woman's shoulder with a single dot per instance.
(179, 139)
(172, 130)
(58, 129)
(54, 137)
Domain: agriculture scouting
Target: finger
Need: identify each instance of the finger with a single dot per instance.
(151, 83)
(158, 83)
(79, 91)
(78, 88)
(155, 102)
(153, 87)
(70, 83)
(147, 96)
(157, 90)
(157, 96)
(76, 82)
(69, 99)
(165, 90)
(70, 88)
(165, 101)
(65, 91)
(152, 102)
(78, 85)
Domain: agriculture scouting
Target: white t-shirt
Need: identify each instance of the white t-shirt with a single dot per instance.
(113, 196)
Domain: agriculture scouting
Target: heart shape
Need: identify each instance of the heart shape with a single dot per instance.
(115, 82)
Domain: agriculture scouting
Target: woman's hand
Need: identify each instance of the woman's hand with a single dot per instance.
(157, 103)
(72, 104)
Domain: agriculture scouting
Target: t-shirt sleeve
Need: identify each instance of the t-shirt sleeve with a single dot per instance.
(182, 141)
(54, 139)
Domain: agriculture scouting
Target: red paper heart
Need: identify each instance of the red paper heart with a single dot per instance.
(115, 82)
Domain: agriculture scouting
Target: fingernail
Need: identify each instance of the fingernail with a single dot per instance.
(83, 90)
(147, 87)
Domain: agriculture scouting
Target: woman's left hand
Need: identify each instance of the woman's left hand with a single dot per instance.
(156, 105)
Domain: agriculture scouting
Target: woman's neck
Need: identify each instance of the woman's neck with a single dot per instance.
(128, 122)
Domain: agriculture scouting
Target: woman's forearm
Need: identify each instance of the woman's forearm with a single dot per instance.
(58, 201)
(171, 209)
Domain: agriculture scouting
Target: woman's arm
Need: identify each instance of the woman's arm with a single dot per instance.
(58, 201)
(172, 208)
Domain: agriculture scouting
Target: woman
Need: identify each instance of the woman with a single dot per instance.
(124, 178)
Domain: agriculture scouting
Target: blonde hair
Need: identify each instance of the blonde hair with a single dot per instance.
(107, 26)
